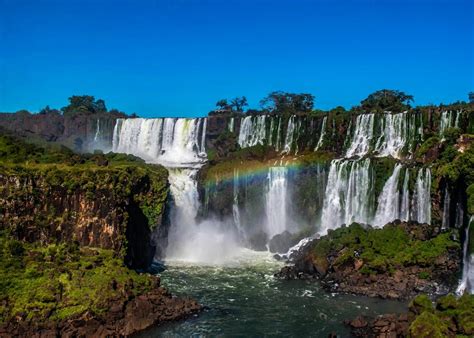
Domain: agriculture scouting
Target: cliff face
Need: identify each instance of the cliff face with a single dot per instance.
(113, 208)
(81, 132)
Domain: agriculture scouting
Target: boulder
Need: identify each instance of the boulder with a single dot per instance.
(281, 243)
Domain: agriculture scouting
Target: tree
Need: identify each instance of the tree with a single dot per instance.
(100, 106)
(471, 97)
(387, 100)
(48, 110)
(85, 104)
(288, 103)
(238, 104)
(223, 104)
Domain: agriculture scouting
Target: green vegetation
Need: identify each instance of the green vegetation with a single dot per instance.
(386, 100)
(123, 176)
(59, 281)
(384, 249)
(283, 103)
(450, 317)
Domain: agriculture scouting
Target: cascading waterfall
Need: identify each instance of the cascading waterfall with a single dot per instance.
(363, 134)
(252, 131)
(230, 126)
(393, 135)
(448, 120)
(388, 201)
(290, 130)
(169, 141)
(405, 205)
(467, 281)
(178, 144)
(276, 200)
(347, 194)
(321, 134)
(423, 196)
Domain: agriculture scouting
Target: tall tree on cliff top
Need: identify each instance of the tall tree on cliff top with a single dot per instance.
(288, 103)
(84, 104)
(387, 100)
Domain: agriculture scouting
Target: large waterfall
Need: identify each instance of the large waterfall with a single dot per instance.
(348, 186)
(178, 144)
(169, 141)
(347, 194)
(276, 201)
(350, 196)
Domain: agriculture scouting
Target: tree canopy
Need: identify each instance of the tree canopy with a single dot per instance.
(85, 104)
(237, 104)
(288, 103)
(387, 100)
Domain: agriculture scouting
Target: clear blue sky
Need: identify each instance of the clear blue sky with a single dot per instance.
(178, 57)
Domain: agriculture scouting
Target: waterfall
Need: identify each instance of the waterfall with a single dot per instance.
(321, 134)
(97, 131)
(179, 144)
(235, 204)
(446, 204)
(252, 131)
(467, 280)
(290, 130)
(405, 206)
(360, 144)
(278, 140)
(347, 194)
(230, 126)
(423, 196)
(446, 121)
(393, 134)
(203, 137)
(169, 141)
(276, 199)
(388, 201)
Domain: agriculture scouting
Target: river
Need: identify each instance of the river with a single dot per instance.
(242, 298)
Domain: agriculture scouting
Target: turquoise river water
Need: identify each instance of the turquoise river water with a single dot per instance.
(244, 299)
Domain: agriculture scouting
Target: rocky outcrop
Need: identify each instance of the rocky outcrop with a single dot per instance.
(126, 315)
(450, 317)
(397, 262)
